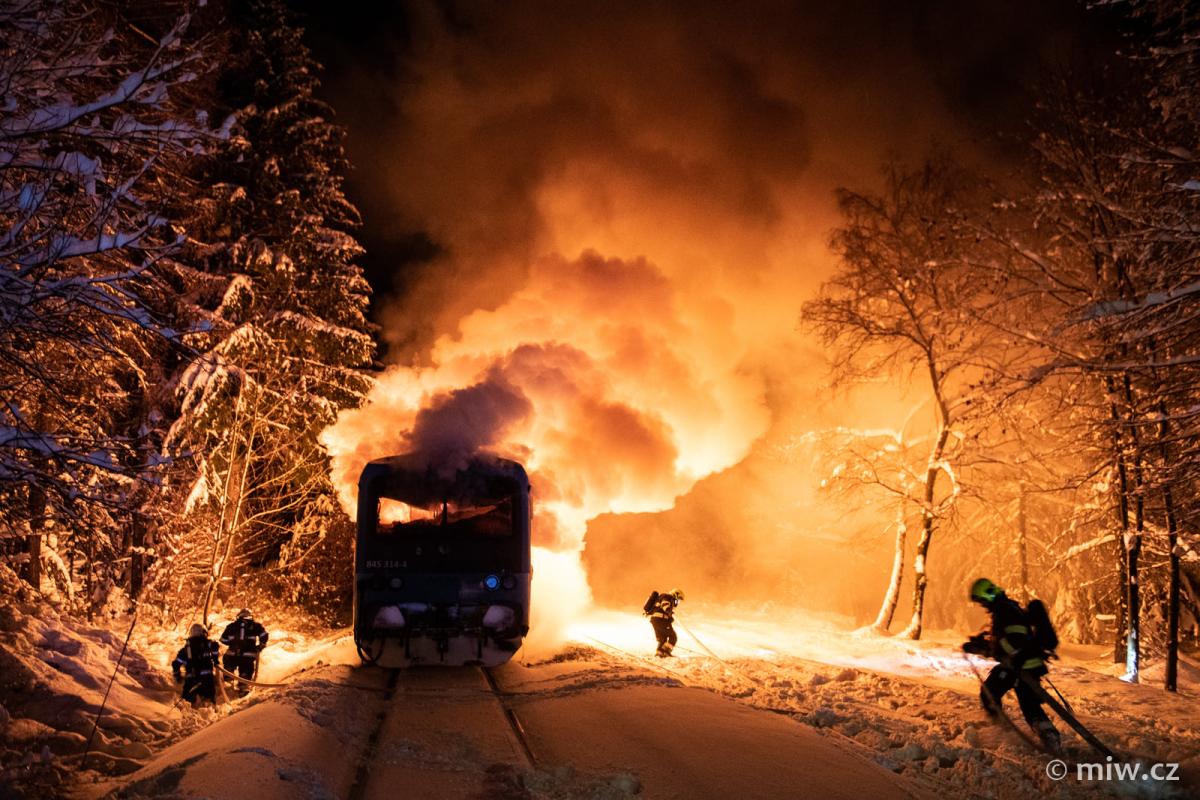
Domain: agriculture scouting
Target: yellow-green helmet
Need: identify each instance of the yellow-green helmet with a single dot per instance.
(678, 595)
(984, 591)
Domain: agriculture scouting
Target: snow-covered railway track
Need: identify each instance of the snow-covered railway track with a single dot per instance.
(362, 771)
(514, 723)
(424, 714)
(513, 731)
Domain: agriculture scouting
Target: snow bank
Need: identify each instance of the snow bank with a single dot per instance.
(53, 673)
(296, 742)
(54, 670)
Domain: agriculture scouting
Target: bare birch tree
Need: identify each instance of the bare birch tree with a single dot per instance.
(903, 302)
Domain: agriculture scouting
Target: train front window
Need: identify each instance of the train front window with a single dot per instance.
(488, 519)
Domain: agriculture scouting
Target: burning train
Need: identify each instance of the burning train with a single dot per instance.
(442, 562)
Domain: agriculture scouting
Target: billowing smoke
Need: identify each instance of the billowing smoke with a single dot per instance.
(629, 206)
(600, 376)
(454, 425)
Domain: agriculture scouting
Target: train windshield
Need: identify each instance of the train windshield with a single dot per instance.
(479, 518)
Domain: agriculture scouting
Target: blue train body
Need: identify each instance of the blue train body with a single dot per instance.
(442, 562)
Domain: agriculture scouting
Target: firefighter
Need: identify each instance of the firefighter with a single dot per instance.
(661, 610)
(245, 638)
(198, 660)
(1013, 642)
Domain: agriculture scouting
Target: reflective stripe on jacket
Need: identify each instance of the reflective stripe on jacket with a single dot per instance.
(197, 658)
(244, 636)
(664, 607)
(1012, 641)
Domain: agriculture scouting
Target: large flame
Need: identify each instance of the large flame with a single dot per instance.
(608, 384)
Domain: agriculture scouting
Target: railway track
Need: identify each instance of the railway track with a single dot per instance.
(370, 772)
(514, 723)
(362, 771)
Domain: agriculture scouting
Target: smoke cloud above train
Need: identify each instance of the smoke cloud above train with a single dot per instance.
(628, 212)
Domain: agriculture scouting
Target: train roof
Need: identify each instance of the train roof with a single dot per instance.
(415, 477)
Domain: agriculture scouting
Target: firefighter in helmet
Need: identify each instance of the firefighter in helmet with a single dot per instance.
(1011, 640)
(660, 607)
(245, 638)
(197, 661)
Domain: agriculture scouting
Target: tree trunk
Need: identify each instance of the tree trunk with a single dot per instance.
(223, 529)
(209, 591)
(1133, 547)
(33, 544)
(33, 567)
(1122, 615)
(1172, 595)
(137, 559)
(913, 631)
(90, 580)
(231, 534)
(888, 609)
(1173, 556)
(1190, 597)
(1119, 645)
(220, 561)
(1022, 544)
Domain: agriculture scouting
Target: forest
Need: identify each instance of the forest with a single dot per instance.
(1050, 315)
(182, 310)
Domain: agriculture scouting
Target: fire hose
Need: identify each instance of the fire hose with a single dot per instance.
(686, 681)
(1063, 710)
(220, 686)
(703, 646)
(258, 684)
(248, 681)
(104, 702)
(723, 662)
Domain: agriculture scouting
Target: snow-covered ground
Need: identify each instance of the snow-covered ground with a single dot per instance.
(595, 728)
(906, 709)
(915, 706)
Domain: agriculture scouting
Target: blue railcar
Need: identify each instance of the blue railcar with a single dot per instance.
(442, 562)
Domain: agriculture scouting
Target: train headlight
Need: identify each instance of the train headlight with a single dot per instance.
(396, 583)
(491, 583)
(510, 582)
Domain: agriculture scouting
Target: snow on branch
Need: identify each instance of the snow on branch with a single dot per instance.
(1148, 301)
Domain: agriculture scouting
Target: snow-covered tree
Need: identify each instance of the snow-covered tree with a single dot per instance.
(878, 467)
(288, 340)
(1165, 150)
(93, 141)
(1098, 291)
